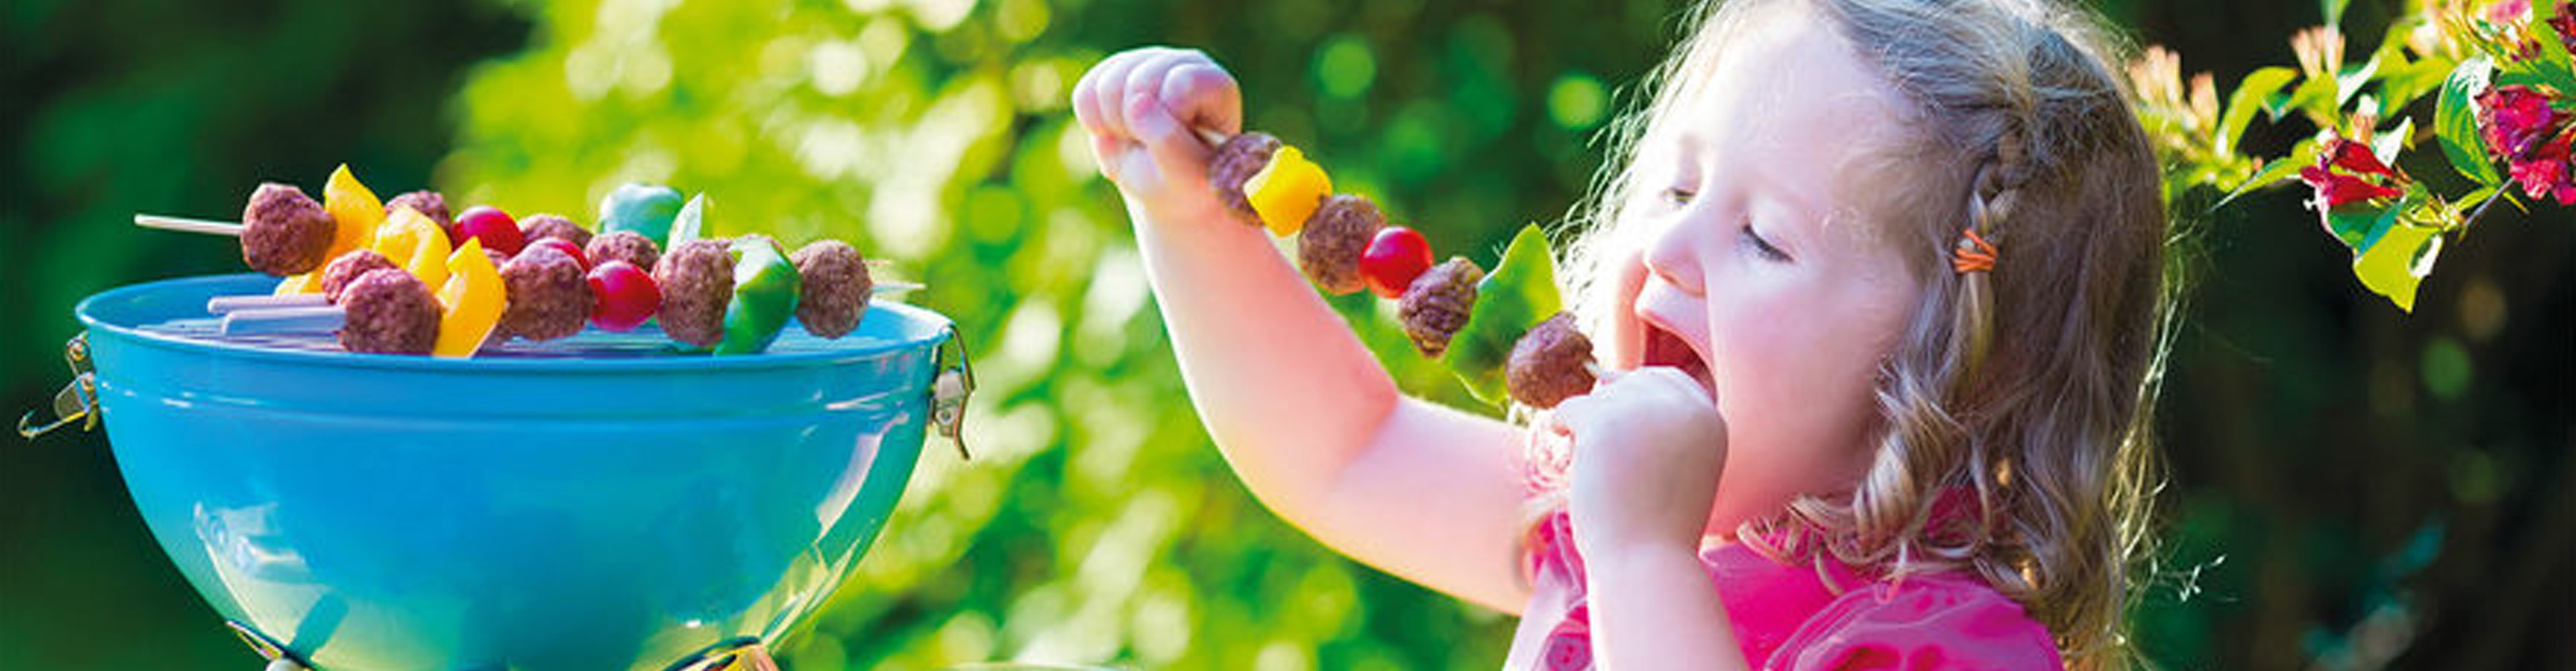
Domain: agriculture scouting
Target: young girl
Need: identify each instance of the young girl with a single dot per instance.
(1881, 286)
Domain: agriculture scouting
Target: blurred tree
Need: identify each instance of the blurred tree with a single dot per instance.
(120, 106)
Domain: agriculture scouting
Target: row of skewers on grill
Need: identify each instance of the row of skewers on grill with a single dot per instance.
(407, 276)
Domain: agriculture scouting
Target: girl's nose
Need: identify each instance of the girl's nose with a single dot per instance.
(1673, 257)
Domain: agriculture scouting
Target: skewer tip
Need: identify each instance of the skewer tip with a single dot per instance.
(1212, 137)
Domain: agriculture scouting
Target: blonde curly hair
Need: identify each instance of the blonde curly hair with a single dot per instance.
(2019, 121)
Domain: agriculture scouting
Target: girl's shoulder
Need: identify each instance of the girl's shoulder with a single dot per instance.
(1938, 621)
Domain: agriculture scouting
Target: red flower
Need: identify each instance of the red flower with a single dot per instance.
(2548, 172)
(2514, 119)
(2361, 176)
(2533, 139)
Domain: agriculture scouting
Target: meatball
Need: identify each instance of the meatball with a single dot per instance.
(1241, 157)
(1549, 364)
(1329, 249)
(628, 246)
(389, 312)
(834, 292)
(549, 298)
(285, 232)
(542, 226)
(1437, 304)
(346, 269)
(697, 281)
(429, 204)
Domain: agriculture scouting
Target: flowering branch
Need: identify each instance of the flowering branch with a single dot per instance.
(2505, 93)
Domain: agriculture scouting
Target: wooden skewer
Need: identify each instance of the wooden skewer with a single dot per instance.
(234, 229)
(285, 320)
(230, 304)
(308, 313)
(230, 228)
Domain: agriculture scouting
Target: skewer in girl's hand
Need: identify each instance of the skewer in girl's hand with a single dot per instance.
(1648, 447)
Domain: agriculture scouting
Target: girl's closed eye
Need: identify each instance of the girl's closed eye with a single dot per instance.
(1760, 246)
(1679, 197)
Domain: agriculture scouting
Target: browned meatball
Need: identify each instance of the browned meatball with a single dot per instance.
(389, 312)
(1437, 304)
(628, 246)
(429, 204)
(548, 297)
(1241, 157)
(542, 226)
(1549, 364)
(337, 276)
(697, 281)
(1329, 249)
(833, 294)
(285, 232)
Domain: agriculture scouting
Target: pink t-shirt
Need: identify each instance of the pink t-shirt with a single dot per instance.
(1785, 617)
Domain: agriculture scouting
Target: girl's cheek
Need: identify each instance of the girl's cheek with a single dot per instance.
(1624, 337)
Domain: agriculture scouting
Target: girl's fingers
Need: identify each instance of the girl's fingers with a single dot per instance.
(1204, 95)
(1086, 105)
(1145, 80)
(1104, 153)
(1109, 91)
(1574, 414)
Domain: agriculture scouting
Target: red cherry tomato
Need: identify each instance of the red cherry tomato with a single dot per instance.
(495, 228)
(624, 296)
(1393, 259)
(565, 246)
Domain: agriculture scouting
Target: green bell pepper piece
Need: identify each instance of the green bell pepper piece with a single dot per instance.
(646, 209)
(690, 223)
(1520, 293)
(765, 285)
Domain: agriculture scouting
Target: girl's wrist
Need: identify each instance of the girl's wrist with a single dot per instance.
(1627, 543)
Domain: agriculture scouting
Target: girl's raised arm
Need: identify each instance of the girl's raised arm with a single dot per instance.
(1302, 411)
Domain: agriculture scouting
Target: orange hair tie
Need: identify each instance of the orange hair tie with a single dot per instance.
(1973, 254)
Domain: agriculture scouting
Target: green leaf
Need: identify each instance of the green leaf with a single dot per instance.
(2249, 96)
(2275, 172)
(2472, 199)
(2316, 96)
(2455, 121)
(2332, 10)
(2554, 65)
(2391, 141)
(1520, 293)
(2404, 84)
(2353, 224)
(2396, 256)
(2353, 81)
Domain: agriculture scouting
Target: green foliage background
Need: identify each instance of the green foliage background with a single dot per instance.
(2347, 481)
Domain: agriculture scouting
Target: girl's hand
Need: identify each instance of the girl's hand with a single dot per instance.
(1143, 108)
(1649, 446)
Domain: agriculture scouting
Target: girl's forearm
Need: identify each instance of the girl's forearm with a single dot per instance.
(1654, 608)
(1288, 393)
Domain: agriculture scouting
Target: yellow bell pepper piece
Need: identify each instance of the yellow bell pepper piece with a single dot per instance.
(308, 283)
(354, 209)
(1287, 191)
(411, 240)
(472, 300)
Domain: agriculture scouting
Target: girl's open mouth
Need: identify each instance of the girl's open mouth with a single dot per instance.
(1664, 348)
